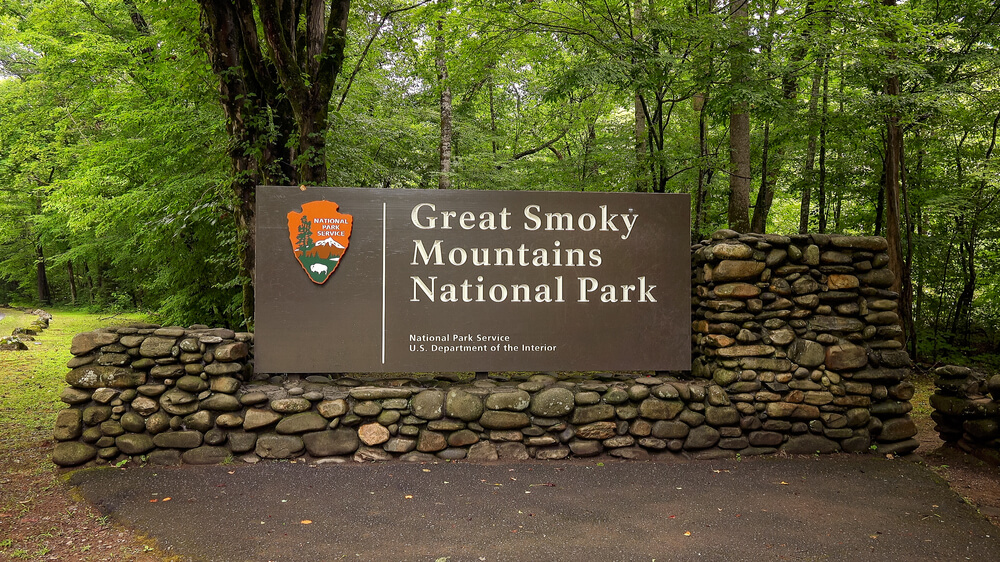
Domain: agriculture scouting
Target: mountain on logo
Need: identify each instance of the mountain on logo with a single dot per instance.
(331, 242)
(319, 236)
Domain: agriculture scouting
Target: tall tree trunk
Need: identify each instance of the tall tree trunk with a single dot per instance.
(444, 147)
(893, 160)
(822, 148)
(41, 279)
(639, 111)
(810, 163)
(768, 174)
(739, 124)
(72, 281)
(701, 197)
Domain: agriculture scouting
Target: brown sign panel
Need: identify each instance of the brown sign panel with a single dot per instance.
(395, 280)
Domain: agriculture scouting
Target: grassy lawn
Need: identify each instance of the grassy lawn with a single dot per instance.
(39, 520)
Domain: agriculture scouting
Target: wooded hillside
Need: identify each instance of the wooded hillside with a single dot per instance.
(133, 132)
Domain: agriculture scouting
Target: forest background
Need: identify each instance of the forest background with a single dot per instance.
(133, 132)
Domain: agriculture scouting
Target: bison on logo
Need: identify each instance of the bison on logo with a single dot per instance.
(319, 235)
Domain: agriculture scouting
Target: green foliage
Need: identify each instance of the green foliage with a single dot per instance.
(113, 160)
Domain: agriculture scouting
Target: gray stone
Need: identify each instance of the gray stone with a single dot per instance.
(221, 403)
(498, 419)
(517, 400)
(190, 383)
(340, 441)
(301, 423)
(735, 270)
(86, 342)
(484, 451)
(94, 415)
(417, 456)
(388, 417)
(225, 385)
(724, 415)
(428, 404)
(452, 453)
(158, 422)
(75, 396)
(165, 457)
(585, 448)
(553, 453)
(178, 403)
(807, 353)
(656, 409)
(134, 443)
(274, 446)
(590, 414)
(290, 405)
(155, 346)
(132, 422)
(446, 425)
(701, 437)
(553, 402)
(897, 429)
(257, 418)
(187, 439)
(597, 430)
(201, 420)
(72, 453)
(206, 454)
(332, 408)
(664, 429)
(430, 441)
(463, 405)
(167, 371)
(512, 451)
(215, 436)
(808, 444)
(145, 406)
(379, 393)
(462, 438)
(241, 441)
(367, 408)
(400, 445)
(371, 454)
(152, 390)
(69, 425)
(231, 351)
(217, 369)
(98, 376)
(835, 324)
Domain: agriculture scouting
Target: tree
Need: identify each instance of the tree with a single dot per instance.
(275, 90)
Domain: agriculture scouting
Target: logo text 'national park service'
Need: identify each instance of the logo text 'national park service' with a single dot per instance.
(319, 235)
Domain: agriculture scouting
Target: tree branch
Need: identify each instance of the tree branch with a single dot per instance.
(539, 148)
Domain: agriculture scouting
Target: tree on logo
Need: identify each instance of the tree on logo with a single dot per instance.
(304, 238)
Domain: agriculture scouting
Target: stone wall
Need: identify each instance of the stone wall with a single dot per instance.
(800, 331)
(793, 352)
(966, 407)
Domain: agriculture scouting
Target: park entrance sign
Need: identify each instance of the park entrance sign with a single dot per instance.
(391, 280)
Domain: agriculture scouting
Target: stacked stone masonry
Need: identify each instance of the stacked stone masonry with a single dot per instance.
(966, 407)
(793, 351)
(801, 332)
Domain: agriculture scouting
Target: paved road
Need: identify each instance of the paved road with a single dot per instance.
(839, 508)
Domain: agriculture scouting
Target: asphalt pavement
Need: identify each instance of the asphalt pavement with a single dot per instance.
(828, 508)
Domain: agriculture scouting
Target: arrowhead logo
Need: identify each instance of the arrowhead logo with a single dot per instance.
(319, 235)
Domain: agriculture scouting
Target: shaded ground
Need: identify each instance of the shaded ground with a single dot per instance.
(837, 508)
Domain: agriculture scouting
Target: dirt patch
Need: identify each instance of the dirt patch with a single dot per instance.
(41, 520)
(976, 481)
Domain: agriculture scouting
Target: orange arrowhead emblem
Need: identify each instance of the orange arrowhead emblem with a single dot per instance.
(319, 235)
